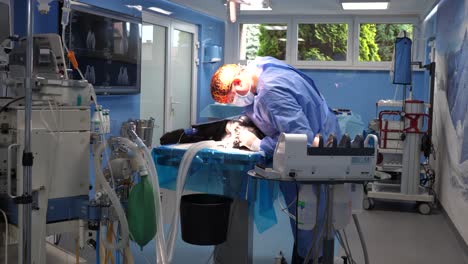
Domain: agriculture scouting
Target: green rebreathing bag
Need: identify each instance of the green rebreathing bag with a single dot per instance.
(141, 213)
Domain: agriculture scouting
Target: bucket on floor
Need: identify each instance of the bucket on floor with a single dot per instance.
(204, 218)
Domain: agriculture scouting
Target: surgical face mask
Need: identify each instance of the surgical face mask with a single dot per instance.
(243, 100)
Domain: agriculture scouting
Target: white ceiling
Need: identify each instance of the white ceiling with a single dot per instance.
(312, 7)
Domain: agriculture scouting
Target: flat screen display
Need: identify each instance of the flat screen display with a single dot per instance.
(108, 51)
(5, 29)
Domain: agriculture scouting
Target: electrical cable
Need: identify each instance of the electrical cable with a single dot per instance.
(181, 135)
(347, 244)
(296, 237)
(77, 251)
(9, 103)
(345, 248)
(6, 235)
(340, 241)
(342, 244)
(319, 246)
(319, 232)
(285, 208)
(65, 20)
(361, 238)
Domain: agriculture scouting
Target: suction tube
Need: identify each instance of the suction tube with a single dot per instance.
(181, 177)
(145, 157)
(120, 245)
(161, 240)
(361, 238)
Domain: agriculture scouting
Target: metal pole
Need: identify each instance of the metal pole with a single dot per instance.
(432, 68)
(27, 167)
(329, 240)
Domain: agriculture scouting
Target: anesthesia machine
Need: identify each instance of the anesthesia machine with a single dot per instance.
(46, 133)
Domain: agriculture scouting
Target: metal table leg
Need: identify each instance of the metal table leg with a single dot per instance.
(329, 238)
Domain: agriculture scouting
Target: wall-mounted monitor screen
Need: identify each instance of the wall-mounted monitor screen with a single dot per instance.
(5, 20)
(108, 49)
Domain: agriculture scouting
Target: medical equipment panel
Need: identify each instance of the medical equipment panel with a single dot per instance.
(294, 160)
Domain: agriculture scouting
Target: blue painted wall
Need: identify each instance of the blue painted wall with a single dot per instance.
(42, 23)
(211, 32)
(360, 90)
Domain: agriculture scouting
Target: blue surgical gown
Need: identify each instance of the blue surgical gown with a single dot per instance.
(288, 101)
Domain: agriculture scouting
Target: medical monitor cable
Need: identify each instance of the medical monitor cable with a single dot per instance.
(343, 246)
(5, 107)
(347, 245)
(296, 239)
(6, 235)
(361, 238)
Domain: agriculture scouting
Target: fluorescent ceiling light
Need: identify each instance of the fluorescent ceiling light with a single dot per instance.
(276, 27)
(160, 10)
(364, 5)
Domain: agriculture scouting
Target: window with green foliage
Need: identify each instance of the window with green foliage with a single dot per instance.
(376, 41)
(322, 42)
(263, 40)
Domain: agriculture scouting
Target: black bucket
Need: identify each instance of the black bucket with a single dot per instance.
(204, 218)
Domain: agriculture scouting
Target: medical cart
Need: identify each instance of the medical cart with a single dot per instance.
(401, 127)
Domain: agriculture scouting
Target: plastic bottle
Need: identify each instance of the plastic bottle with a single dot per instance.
(96, 121)
(106, 120)
(66, 12)
(307, 208)
(357, 195)
(342, 207)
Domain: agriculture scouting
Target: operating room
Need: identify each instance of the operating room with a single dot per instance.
(233, 131)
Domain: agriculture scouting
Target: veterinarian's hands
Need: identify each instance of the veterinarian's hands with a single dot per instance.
(249, 140)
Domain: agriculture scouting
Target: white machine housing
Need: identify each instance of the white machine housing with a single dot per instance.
(60, 139)
(61, 162)
(294, 160)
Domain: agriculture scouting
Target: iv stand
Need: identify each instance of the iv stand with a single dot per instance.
(27, 155)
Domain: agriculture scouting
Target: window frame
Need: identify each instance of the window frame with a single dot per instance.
(263, 20)
(321, 20)
(382, 20)
(353, 21)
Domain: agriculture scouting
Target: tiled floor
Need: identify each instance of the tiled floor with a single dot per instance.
(395, 233)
